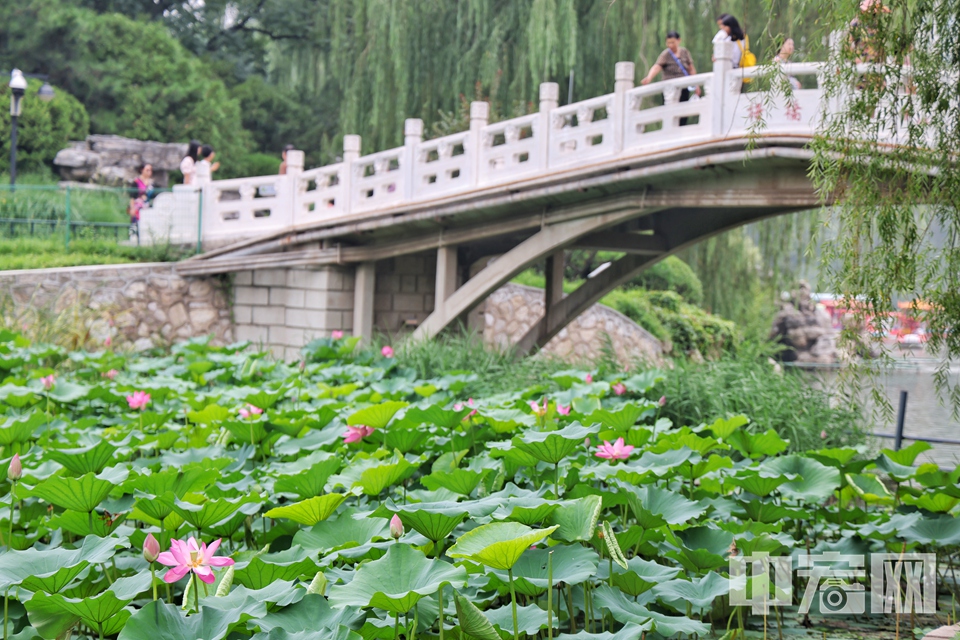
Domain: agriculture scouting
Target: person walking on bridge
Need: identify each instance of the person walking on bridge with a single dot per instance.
(674, 62)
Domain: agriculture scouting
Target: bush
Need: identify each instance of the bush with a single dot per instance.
(684, 327)
(251, 164)
(672, 274)
(44, 128)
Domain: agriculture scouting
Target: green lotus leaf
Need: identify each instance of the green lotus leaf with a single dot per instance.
(18, 430)
(629, 631)
(377, 416)
(870, 489)
(180, 480)
(530, 511)
(553, 446)
(68, 392)
(941, 530)
(262, 570)
(373, 474)
(434, 521)
(711, 464)
(310, 511)
(81, 524)
(935, 502)
(310, 482)
(655, 507)
(758, 481)
(158, 506)
(624, 609)
(461, 481)
(96, 611)
(338, 633)
(472, 620)
(92, 459)
(396, 581)
(766, 512)
(211, 414)
(723, 428)
(77, 494)
(700, 592)
(577, 519)
(621, 419)
(341, 532)
(498, 545)
(247, 431)
(210, 512)
(252, 602)
(161, 621)
(907, 456)
(572, 564)
(530, 620)
(703, 548)
(405, 439)
(312, 614)
(17, 397)
(434, 414)
(52, 569)
(835, 457)
(757, 445)
(641, 575)
(685, 438)
(814, 483)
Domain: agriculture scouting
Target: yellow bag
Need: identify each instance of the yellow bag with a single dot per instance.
(747, 58)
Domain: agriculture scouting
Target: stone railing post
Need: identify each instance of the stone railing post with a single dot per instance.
(412, 137)
(351, 151)
(549, 97)
(479, 116)
(623, 82)
(719, 89)
(290, 186)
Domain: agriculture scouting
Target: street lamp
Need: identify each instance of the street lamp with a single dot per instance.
(18, 86)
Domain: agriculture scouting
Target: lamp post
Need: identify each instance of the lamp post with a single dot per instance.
(18, 87)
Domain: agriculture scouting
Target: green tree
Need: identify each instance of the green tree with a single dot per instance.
(134, 79)
(43, 127)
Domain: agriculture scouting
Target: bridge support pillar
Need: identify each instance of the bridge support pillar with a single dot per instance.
(364, 285)
(446, 274)
(553, 292)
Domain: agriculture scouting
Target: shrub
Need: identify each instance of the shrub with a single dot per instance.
(671, 274)
(251, 164)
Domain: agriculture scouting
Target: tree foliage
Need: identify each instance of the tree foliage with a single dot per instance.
(43, 127)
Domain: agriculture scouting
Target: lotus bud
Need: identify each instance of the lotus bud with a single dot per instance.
(396, 527)
(151, 548)
(15, 470)
(663, 400)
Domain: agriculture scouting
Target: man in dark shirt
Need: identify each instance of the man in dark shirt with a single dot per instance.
(674, 62)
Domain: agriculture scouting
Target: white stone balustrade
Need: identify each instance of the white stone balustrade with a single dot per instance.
(631, 122)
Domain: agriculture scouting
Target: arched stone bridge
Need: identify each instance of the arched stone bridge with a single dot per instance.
(617, 172)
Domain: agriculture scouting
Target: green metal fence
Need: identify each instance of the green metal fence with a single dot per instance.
(75, 211)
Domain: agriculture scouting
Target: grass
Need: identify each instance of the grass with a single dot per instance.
(49, 202)
(45, 252)
(783, 401)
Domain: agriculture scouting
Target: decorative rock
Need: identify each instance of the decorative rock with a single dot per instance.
(806, 330)
(114, 160)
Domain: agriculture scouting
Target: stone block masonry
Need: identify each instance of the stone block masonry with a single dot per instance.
(144, 305)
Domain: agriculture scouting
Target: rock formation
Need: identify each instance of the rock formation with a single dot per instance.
(114, 160)
(805, 329)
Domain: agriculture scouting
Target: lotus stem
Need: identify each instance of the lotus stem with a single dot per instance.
(153, 581)
(13, 490)
(556, 479)
(550, 595)
(396, 626)
(513, 605)
(196, 590)
(6, 603)
(573, 619)
(441, 611)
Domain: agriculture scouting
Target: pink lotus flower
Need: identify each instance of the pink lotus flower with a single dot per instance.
(589, 378)
(458, 406)
(187, 556)
(387, 351)
(249, 410)
(111, 374)
(151, 548)
(823, 435)
(562, 410)
(336, 334)
(539, 411)
(396, 527)
(138, 400)
(616, 451)
(356, 433)
(662, 401)
(108, 342)
(15, 470)
(619, 389)
(47, 382)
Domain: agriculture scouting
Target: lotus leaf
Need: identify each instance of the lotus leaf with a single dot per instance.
(498, 545)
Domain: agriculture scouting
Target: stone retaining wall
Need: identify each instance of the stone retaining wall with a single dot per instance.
(143, 304)
(512, 309)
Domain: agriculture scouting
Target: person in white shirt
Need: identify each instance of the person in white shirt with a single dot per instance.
(206, 166)
(189, 163)
(731, 28)
(722, 35)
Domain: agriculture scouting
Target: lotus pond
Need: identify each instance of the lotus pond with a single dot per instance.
(216, 493)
